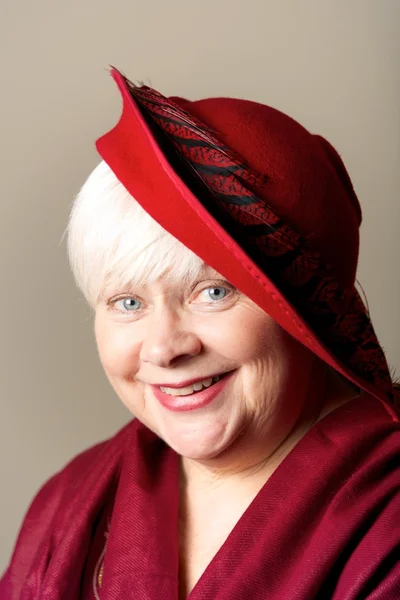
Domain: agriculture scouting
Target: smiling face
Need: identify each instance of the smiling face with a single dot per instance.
(158, 342)
(166, 324)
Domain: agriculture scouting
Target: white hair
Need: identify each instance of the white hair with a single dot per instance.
(113, 243)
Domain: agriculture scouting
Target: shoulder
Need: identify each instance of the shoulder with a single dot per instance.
(65, 492)
(363, 507)
(80, 467)
(360, 441)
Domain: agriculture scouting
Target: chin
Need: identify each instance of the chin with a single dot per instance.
(197, 443)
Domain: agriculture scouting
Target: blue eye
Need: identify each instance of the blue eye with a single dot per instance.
(130, 304)
(216, 293)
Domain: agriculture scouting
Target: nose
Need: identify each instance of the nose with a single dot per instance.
(167, 343)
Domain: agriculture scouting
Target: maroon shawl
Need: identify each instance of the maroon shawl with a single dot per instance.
(326, 525)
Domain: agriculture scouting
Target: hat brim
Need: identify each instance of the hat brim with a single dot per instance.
(134, 155)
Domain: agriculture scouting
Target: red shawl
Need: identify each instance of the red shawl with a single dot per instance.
(326, 525)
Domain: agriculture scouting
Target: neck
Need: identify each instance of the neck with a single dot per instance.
(248, 466)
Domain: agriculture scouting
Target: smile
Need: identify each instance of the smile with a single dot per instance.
(191, 396)
(191, 389)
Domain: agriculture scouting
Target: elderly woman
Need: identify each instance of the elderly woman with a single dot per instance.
(217, 243)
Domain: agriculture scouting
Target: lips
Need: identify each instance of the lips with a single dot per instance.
(187, 398)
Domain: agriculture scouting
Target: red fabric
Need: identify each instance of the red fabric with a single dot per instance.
(326, 526)
(320, 185)
(307, 180)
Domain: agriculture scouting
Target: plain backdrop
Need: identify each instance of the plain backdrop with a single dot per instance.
(331, 64)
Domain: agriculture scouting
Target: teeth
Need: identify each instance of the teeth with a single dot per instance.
(190, 389)
(184, 391)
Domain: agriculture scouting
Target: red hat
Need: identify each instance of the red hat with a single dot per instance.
(262, 201)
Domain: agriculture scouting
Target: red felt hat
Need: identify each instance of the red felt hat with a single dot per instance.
(265, 203)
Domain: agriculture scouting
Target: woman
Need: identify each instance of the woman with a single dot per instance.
(217, 243)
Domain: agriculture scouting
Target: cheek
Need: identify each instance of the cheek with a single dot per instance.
(271, 359)
(118, 351)
(250, 336)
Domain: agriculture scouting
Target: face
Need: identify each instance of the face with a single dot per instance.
(201, 365)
